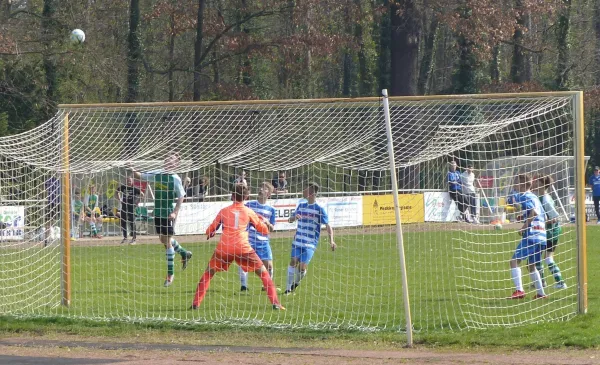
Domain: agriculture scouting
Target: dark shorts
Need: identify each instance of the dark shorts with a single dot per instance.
(89, 215)
(52, 212)
(164, 226)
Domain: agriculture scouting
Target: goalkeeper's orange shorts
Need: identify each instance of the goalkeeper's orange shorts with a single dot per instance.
(248, 261)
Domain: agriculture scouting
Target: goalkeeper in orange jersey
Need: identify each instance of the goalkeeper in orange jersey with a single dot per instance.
(234, 246)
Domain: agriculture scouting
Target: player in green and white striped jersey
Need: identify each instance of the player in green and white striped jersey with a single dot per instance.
(553, 229)
(168, 197)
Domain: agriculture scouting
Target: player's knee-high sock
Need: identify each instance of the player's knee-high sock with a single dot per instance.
(290, 277)
(269, 286)
(202, 288)
(93, 228)
(170, 259)
(177, 247)
(540, 268)
(554, 269)
(243, 276)
(537, 280)
(515, 274)
(301, 275)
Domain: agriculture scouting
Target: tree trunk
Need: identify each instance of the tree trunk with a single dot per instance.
(465, 78)
(49, 63)
(245, 64)
(134, 52)
(4, 9)
(365, 84)
(562, 34)
(347, 74)
(597, 33)
(216, 72)
(198, 50)
(427, 63)
(383, 64)
(347, 78)
(170, 80)
(520, 70)
(406, 30)
(495, 65)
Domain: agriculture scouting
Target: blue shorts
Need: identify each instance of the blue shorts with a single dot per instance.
(303, 254)
(264, 252)
(532, 251)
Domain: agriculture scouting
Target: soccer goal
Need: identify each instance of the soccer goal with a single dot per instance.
(72, 198)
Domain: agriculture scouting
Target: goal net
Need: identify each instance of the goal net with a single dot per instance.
(77, 171)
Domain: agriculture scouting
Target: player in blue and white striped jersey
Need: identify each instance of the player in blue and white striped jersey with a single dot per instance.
(259, 242)
(533, 241)
(310, 216)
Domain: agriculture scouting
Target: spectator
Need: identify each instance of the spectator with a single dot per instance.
(467, 180)
(52, 186)
(129, 196)
(241, 179)
(76, 211)
(455, 189)
(280, 183)
(189, 190)
(203, 188)
(93, 213)
(594, 184)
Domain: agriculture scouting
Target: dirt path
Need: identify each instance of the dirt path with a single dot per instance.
(40, 351)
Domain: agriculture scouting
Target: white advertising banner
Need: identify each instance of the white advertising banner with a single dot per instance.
(439, 207)
(284, 209)
(194, 218)
(12, 223)
(344, 211)
(589, 200)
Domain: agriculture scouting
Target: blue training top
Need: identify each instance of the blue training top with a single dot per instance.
(257, 239)
(312, 216)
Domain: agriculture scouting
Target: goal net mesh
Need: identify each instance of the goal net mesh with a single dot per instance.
(458, 272)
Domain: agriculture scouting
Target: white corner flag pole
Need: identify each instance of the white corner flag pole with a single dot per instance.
(560, 202)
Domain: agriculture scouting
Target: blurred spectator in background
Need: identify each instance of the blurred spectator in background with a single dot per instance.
(280, 183)
(241, 179)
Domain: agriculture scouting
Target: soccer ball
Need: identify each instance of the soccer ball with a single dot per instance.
(77, 36)
(497, 226)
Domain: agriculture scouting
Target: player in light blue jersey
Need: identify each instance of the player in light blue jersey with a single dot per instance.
(533, 241)
(259, 242)
(310, 217)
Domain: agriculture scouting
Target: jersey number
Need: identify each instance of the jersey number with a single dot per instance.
(236, 221)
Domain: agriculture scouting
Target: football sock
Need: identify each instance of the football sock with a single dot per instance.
(243, 277)
(554, 269)
(170, 259)
(269, 286)
(300, 274)
(177, 247)
(540, 268)
(515, 274)
(290, 277)
(537, 280)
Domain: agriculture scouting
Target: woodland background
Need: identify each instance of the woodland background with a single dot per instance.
(182, 50)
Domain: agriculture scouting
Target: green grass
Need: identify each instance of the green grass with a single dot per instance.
(355, 287)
